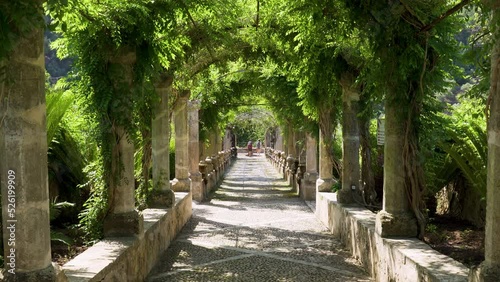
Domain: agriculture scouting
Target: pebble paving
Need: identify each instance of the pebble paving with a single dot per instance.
(254, 228)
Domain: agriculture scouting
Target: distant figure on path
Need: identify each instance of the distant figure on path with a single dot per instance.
(249, 147)
(258, 147)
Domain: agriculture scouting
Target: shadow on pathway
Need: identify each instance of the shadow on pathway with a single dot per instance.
(254, 229)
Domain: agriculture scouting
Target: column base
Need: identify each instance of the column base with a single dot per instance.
(162, 199)
(123, 224)
(484, 273)
(395, 225)
(345, 196)
(45, 274)
(197, 187)
(308, 185)
(325, 185)
(291, 181)
(181, 185)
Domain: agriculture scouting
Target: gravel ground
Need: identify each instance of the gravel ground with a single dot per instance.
(254, 229)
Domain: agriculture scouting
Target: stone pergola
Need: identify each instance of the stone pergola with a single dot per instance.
(24, 176)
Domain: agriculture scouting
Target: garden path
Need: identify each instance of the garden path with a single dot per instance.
(255, 229)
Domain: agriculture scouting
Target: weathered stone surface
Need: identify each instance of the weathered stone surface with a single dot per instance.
(161, 198)
(395, 199)
(396, 225)
(490, 268)
(123, 224)
(351, 170)
(197, 187)
(325, 180)
(308, 186)
(408, 260)
(131, 258)
(181, 183)
(161, 144)
(485, 273)
(325, 185)
(40, 275)
(23, 164)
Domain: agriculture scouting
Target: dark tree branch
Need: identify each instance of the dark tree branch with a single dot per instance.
(445, 15)
(209, 48)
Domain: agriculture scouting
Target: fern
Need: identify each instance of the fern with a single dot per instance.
(58, 103)
(469, 153)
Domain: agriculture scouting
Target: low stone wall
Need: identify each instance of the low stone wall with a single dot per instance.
(385, 259)
(131, 258)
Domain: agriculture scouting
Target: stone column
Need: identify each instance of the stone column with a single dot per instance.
(210, 173)
(279, 140)
(227, 139)
(325, 180)
(122, 218)
(197, 187)
(311, 174)
(489, 270)
(350, 141)
(23, 165)
(212, 157)
(162, 195)
(181, 183)
(396, 218)
(291, 157)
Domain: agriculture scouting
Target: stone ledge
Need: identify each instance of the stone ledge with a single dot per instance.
(385, 259)
(131, 258)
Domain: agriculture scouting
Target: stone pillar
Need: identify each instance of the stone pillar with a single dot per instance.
(291, 157)
(162, 195)
(325, 180)
(212, 157)
(210, 173)
(197, 187)
(181, 183)
(23, 165)
(395, 218)
(122, 218)
(350, 141)
(311, 173)
(227, 139)
(489, 270)
(279, 140)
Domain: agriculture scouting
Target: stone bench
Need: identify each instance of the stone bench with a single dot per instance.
(407, 259)
(130, 258)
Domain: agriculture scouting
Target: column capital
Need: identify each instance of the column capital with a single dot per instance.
(164, 80)
(126, 55)
(194, 105)
(184, 94)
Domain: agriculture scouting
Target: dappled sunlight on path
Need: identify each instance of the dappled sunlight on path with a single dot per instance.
(255, 229)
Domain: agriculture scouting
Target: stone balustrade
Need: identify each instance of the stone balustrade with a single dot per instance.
(212, 170)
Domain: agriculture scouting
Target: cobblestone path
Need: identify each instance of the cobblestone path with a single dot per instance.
(254, 229)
